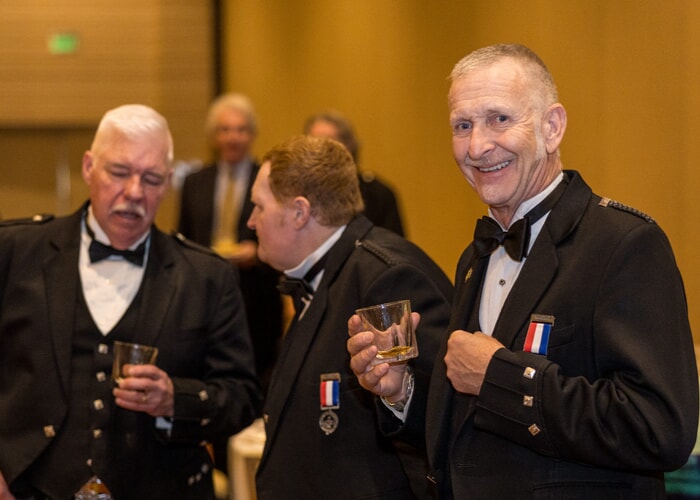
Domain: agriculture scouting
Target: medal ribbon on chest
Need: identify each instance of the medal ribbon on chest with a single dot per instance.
(329, 393)
(537, 338)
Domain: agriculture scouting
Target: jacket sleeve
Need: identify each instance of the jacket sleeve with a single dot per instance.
(225, 398)
(430, 296)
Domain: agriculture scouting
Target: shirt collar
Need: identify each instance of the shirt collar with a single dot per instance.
(306, 264)
(527, 205)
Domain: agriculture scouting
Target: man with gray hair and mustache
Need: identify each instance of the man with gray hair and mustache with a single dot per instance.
(72, 286)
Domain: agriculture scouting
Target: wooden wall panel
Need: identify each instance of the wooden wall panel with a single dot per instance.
(115, 62)
(157, 53)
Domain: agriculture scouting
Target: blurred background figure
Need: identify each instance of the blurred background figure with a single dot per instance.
(215, 206)
(381, 205)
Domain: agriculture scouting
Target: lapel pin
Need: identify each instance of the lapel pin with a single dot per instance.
(469, 274)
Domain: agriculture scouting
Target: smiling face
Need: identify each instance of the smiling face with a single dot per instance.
(128, 177)
(504, 139)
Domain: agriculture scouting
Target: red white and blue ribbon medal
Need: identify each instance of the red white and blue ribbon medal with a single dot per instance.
(537, 338)
(329, 393)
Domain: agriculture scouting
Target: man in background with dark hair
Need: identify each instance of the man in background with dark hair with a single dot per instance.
(381, 204)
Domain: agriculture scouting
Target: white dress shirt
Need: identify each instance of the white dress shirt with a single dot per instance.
(111, 284)
(503, 270)
(306, 264)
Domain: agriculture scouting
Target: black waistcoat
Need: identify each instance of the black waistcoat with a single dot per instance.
(81, 447)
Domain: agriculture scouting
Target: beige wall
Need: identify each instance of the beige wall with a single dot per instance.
(628, 73)
(157, 52)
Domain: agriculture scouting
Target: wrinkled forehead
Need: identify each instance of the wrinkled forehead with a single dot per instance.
(498, 86)
(111, 137)
(150, 149)
(494, 81)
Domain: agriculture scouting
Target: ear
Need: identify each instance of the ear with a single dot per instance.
(554, 122)
(87, 166)
(302, 211)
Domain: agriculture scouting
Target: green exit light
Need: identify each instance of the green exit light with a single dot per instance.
(63, 43)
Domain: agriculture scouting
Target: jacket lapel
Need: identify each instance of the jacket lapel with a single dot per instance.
(534, 279)
(541, 265)
(157, 290)
(468, 285)
(62, 286)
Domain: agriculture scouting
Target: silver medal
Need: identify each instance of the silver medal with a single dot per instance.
(328, 422)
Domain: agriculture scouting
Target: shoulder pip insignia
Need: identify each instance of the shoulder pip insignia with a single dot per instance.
(607, 202)
(186, 242)
(34, 219)
(377, 251)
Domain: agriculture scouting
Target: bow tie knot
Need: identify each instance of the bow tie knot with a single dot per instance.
(299, 289)
(488, 235)
(99, 251)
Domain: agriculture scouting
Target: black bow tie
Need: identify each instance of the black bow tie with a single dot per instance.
(296, 288)
(300, 288)
(488, 235)
(99, 251)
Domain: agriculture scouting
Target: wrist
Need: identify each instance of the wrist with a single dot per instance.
(406, 389)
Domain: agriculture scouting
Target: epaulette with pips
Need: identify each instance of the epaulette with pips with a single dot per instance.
(607, 202)
(377, 251)
(34, 219)
(186, 242)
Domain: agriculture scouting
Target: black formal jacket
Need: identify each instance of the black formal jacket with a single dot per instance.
(197, 206)
(367, 265)
(615, 400)
(191, 310)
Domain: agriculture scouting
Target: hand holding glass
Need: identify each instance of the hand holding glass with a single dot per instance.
(131, 354)
(393, 331)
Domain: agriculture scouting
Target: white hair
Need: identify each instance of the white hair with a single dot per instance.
(134, 120)
(234, 101)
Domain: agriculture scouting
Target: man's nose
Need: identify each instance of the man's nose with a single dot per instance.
(134, 187)
(480, 142)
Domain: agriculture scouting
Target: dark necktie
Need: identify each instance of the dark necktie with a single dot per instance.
(488, 235)
(99, 251)
(300, 288)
